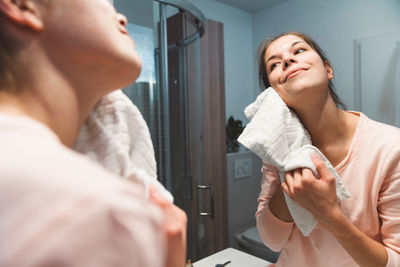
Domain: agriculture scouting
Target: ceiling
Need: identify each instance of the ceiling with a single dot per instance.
(252, 6)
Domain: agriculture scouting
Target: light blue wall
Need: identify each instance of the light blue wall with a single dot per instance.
(334, 25)
(144, 39)
(238, 54)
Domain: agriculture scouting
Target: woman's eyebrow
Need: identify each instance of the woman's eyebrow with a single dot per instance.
(275, 56)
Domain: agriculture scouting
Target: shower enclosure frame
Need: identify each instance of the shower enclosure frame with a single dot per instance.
(191, 198)
(184, 107)
(183, 6)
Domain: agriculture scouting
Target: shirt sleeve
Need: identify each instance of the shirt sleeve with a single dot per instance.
(273, 231)
(115, 231)
(389, 211)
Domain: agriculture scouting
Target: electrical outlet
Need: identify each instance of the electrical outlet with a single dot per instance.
(243, 167)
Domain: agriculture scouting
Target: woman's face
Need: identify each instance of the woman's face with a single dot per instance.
(295, 70)
(92, 39)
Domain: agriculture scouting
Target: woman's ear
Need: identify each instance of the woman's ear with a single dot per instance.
(22, 13)
(328, 67)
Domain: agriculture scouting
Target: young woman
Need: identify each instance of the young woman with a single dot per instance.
(363, 230)
(57, 59)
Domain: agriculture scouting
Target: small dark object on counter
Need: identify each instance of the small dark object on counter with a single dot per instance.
(222, 265)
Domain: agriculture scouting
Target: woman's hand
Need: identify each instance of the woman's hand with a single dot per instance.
(318, 196)
(175, 221)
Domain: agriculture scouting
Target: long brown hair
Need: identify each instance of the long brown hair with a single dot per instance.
(262, 69)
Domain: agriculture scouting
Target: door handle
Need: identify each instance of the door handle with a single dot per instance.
(210, 189)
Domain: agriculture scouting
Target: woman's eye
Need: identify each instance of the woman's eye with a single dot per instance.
(273, 65)
(299, 51)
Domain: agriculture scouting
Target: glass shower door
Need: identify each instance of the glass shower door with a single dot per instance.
(168, 93)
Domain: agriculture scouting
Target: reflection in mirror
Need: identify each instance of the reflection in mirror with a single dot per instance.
(377, 95)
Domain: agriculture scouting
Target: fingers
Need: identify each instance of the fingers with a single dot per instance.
(293, 182)
(307, 174)
(297, 178)
(172, 211)
(297, 181)
(175, 223)
(175, 231)
(175, 217)
(288, 184)
(157, 198)
(322, 169)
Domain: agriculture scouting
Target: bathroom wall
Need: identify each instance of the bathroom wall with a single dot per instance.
(238, 49)
(334, 25)
(244, 179)
(137, 12)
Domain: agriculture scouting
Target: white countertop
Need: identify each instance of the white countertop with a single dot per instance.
(237, 258)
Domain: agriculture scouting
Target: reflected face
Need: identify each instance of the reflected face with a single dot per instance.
(93, 38)
(295, 70)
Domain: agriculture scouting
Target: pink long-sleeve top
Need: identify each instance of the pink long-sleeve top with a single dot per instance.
(57, 208)
(371, 172)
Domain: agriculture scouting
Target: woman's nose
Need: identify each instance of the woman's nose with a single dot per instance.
(122, 19)
(287, 62)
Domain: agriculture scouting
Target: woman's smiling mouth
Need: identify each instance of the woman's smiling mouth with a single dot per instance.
(294, 73)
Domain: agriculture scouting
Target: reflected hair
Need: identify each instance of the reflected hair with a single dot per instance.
(6, 74)
(7, 51)
(262, 68)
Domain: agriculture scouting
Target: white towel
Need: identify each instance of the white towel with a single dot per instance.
(276, 134)
(116, 135)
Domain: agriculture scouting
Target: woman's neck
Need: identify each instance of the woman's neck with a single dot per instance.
(60, 116)
(331, 129)
(45, 95)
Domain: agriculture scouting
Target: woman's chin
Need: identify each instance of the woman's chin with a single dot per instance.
(130, 72)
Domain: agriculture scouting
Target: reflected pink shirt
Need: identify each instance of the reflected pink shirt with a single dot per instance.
(371, 172)
(58, 208)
